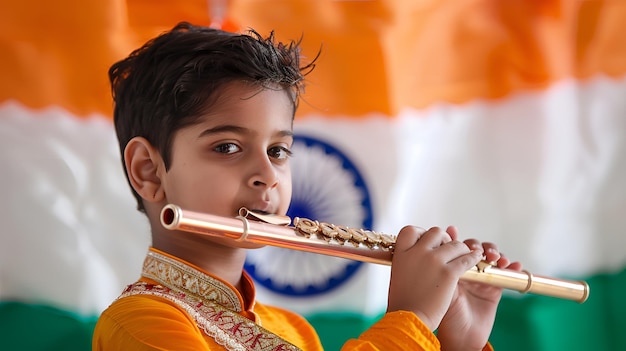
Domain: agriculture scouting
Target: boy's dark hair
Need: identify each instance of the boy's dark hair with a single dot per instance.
(171, 80)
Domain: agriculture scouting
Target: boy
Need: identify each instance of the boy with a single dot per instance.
(204, 121)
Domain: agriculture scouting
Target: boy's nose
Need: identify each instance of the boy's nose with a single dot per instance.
(264, 174)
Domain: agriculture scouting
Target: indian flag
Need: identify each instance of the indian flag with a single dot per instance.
(504, 118)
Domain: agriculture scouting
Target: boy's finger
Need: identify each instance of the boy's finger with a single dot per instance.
(473, 244)
(464, 262)
(453, 232)
(434, 237)
(407, 237)
(448, 252)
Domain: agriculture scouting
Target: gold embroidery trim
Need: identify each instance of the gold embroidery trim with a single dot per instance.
(178, 275)
(227, 328)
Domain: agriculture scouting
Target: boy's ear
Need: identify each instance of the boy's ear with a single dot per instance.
(143, 166)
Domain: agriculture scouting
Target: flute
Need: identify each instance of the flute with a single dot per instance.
(355, 244)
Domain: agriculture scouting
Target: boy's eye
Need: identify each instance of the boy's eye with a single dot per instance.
(228, 148)
(279, 152)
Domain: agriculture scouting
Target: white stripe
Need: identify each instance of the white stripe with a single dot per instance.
(70, 235)
(539, 173)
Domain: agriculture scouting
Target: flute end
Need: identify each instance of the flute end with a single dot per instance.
(170, 215)
(585, 295)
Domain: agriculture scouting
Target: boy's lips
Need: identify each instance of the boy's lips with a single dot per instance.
(263, 207)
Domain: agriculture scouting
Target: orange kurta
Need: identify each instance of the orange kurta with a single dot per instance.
(177, 306)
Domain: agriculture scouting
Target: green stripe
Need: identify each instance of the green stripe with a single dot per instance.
(530, 322)
(523, 323)
(335, 329)
(36, 327)
(544, 324)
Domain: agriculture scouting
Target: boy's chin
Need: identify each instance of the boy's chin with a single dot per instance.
(248, 245)
(241, 244)
(230, 243)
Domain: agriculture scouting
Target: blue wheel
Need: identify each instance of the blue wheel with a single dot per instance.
(328, 187)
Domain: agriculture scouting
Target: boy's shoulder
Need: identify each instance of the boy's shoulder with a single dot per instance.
(123, 325)
(134, 308)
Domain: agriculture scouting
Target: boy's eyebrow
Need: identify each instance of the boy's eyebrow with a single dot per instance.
(285, 133)
(239, 130)
(222, 129)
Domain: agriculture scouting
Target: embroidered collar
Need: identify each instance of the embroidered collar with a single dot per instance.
(211, 302)
(178, 276)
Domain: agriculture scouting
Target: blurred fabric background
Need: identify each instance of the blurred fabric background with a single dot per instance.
(504, 118)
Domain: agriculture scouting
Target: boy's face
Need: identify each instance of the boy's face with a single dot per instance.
(236, 156)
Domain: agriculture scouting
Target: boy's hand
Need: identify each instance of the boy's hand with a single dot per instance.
(425, 271)
(470, 317)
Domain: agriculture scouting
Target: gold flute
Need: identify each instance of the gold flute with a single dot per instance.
(355, 244)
